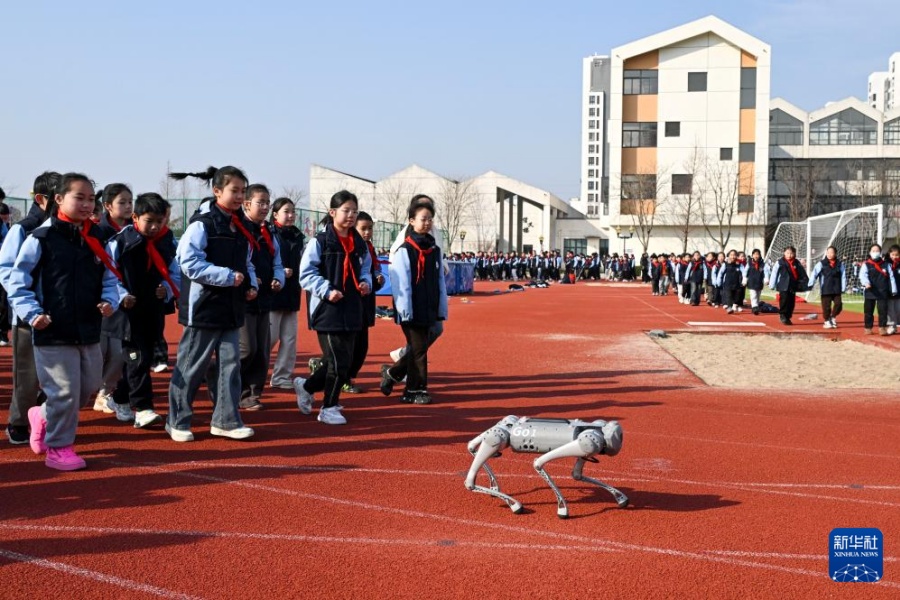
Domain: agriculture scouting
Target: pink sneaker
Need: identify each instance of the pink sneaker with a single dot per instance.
(38, 430)
(64, 459)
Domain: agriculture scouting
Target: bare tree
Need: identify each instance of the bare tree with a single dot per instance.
(720, 203)
(686, 206)
(295, 193)
(802, 181)
(392, 198)
(642, 197)
(485, 222)
(455, 204)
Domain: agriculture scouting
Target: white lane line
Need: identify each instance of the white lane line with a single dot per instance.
(726, 324)
(321, 539)
(127, 584)
(529, 532)
(782, 555)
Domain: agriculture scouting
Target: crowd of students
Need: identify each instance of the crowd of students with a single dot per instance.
(90, 289)
(724, 280)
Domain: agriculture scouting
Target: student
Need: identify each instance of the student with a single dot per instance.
(877, 278)
(788, 276)
(709, 277)
(63, 283)
(665, 275)
(755, 278)
(695, 278)
(254, 337)
(654, 274)
(730, 277)
(152, 278)
(164, 241)
(117, 202)
(336, 273)
(5, 321)
(286, 302)
(894, 302)
(742, 288)
(26, 391)
(832, 279)
(420, 300)
(217, 280)
(365, 226)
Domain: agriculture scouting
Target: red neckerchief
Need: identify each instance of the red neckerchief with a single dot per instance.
(665, 267)
(420, 261)
(93, 243)
(878, 266)
(896, 263)
(832, 262)
(790, 264)
(349, 246)
(742, 261)
(756, 264)
(155, 259)
(239, 225)
(112, 222)
(267, 238)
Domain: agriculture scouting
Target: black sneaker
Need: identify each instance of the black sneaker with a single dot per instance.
(422, 398)
(351, 389)
(314, 364)
(17, 434)
(250, 404)
(787, 322)
(755, 310)
(408, 398)
(387, 382)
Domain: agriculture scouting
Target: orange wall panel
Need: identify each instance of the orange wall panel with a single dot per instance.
(642, 108)
(747, 59)
(650, 60)
(748, 125)
(746, 179)
(638, 161)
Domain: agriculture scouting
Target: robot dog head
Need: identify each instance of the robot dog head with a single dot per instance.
(612, 437)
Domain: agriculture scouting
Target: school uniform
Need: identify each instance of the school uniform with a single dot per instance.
(361, 343)
(709, 280)
(832, 279)
(285, 307)
(695, 280)
(26, 391)
(143, 267)
(420, 300)
(333, 263)
(665, 274)
(165, 242)
(730, 277)
(877, 278)
(213, 249)
(717, 290)
(788, 278)
(755, 273)
(894, 302)
(742, 287)
(58, 273)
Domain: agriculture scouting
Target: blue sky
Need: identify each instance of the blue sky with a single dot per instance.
(118, 89)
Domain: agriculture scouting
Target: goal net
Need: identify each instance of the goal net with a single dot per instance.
(851, 232)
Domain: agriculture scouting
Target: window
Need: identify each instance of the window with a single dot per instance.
(592, 160)
(605, 209)
(747, 152)
(576, 246)
(846, 128)
(892, 132)
(592, 112)
(639, 135)
(643, 81)
(591, 210)
(592, 137)
(725, 153)
(673, 128)
(592, 148)
(592, 124)
(592, 172)
(592, 197)
(593, 100)
(748, 87)
(681, 184)
(638, 187)
(784, 130)
(745, 203)
(697, 82)
(592, 185)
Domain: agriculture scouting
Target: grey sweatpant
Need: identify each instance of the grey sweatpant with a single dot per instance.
(69, 377)
(283, 331)
(26, 391)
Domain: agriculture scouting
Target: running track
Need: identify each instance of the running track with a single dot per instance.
(733, 493)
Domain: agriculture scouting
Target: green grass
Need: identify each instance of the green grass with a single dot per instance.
(852, 304)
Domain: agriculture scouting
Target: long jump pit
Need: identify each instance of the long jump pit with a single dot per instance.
(783, 360)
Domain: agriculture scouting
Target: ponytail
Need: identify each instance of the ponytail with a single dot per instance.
(217, 178)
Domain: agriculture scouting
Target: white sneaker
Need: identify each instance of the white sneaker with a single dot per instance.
(160, 368)
(101, 403)
(304, 398)
(834, 323)
(729, 310)
(179, 435)
(332, 416)
(739, 309)
(123, 412)
(145, 418)
(827, 325)
(239, 433)
(397, 354)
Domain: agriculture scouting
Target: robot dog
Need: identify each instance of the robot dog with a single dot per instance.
(552, 439)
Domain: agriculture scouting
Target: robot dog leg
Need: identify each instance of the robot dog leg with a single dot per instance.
(587, 444)
(621, 499)
(484, 447)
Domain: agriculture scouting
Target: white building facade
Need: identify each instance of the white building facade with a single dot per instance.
(882, 91)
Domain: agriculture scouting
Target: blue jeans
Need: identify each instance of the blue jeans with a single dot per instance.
(195, 352)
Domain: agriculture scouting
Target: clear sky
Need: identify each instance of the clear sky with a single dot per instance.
(117, 89)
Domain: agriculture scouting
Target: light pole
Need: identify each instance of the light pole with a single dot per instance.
(462, 241)
(624, 236)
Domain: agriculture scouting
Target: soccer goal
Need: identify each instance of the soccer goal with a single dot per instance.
(851, 232)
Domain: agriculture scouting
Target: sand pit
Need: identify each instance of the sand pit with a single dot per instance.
(779, 361)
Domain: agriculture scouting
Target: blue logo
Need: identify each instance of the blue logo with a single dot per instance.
(856, 554)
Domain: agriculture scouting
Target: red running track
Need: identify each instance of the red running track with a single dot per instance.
(733, 492)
